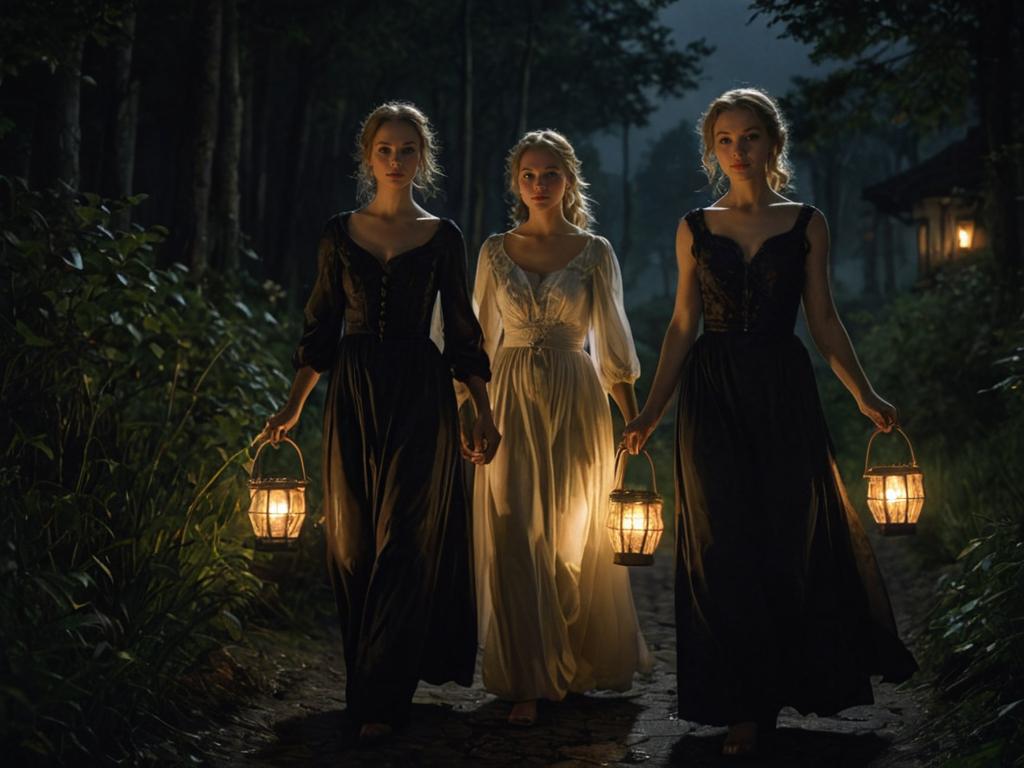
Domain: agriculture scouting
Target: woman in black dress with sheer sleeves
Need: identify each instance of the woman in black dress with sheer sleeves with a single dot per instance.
(397, 516)
(779, 601)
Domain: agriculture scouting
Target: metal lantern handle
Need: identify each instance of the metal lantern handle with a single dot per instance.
(284, 439)
(619, 478)
(876, 433)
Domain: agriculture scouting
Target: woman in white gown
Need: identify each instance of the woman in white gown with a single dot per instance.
(556, 615)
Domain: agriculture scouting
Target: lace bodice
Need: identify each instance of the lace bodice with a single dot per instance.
(761, 295)
(580, 304)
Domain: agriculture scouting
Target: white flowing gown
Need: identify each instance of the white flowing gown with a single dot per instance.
(556, 614)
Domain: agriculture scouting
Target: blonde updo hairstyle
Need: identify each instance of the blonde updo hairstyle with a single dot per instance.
(576, 206)
(429, 171)
(779, 170)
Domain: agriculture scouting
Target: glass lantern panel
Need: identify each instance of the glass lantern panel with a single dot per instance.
(915, 494)
(297, 509)
(896, 501)
(635, 527)
(277, 513)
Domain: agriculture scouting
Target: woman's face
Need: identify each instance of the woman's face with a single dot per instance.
(541, 180)
(395, 154)
(742, 145)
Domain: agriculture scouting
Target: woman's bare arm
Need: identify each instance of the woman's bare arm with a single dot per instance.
(829, 333)
(679, 337)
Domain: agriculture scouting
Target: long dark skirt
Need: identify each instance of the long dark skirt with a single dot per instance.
(397, 524)
(779, 600)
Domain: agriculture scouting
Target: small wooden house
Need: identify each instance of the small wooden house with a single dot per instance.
(941, 197)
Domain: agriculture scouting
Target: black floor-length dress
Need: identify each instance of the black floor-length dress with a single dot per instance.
(397, 517)
(779, 601)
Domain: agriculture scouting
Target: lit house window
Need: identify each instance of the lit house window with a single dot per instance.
(964, 234)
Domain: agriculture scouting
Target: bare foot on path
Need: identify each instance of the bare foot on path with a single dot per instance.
(524, 713)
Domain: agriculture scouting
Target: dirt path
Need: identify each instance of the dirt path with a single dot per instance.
(301, 723)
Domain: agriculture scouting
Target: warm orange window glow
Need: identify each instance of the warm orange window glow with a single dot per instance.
(963, 237)
(964, 234)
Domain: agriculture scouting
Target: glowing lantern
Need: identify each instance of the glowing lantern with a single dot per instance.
(964, 234)
(895, 492)
(634, 521)
(277, 505)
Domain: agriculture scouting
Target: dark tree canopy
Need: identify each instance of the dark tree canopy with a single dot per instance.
(927, 65)
(282, 87)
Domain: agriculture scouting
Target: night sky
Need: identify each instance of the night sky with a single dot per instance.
(745, 54)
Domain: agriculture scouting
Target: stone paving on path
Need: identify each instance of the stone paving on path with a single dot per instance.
(303, 723)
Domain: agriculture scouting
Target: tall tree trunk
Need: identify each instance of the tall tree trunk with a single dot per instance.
(627, 240)
(833, 190)
(467, 111)
(246, 160)
(120, 169)
(229, 144)
(190, 237)
(479, 204)
(337, 153)
(873, 222)
(286, 265)
(524, 74)
(262, 139)
(997, 88)
(68, 107)
(888, 257)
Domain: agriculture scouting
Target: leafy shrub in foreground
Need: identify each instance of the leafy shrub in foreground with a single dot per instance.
(127, 399)
(955, 370)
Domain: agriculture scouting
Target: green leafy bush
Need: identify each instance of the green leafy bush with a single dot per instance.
(128, 396)
(954, 368)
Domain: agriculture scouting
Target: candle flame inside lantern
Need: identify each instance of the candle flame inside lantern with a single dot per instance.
(633, 518)
(635, 526)
(895, 492)
(896, 499)
(277, 513)
(277, 505)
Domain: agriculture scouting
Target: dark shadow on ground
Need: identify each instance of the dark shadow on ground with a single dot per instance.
(793, 748)
(587, 729)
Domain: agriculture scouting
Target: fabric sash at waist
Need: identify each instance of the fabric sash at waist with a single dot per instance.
(561, 338)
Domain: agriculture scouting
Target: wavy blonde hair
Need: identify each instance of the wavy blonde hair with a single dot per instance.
(779, 171)
(576, 206)
(429, 170)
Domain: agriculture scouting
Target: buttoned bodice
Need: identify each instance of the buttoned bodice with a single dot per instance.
(391, 301)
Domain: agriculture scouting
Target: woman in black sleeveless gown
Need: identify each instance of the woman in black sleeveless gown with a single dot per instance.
(397, 516)
(779, 601)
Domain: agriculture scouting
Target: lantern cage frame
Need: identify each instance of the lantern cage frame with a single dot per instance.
(911, 498)
(259, 482)
(647, 497)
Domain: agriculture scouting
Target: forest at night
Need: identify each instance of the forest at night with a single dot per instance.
(166, 170)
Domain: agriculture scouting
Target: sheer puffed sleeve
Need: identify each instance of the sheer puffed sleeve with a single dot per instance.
(463, 339)
(611, 342)
(325, 308)
(485, 302)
